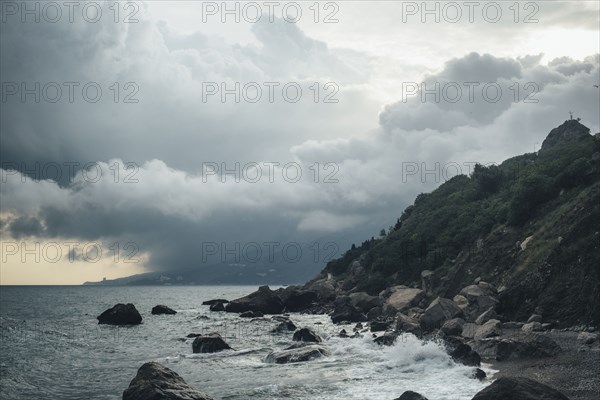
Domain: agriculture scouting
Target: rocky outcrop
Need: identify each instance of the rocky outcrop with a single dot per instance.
(120, 314)
(156, 382)
(410, 395)
(439, 311)
(522, 346)
(518, 389)
(210, 343)
(297, 354)
(263, 300)
(160, 309)
(306, 335)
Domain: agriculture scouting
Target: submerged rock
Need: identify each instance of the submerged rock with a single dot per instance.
(160, 309)
(210, 343)
(518, 389)
(297, 354)
(120, 314)
(156, 382)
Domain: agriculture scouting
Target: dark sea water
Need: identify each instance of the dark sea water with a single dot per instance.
(53, 348)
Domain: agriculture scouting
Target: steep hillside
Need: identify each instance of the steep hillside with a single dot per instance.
(530, 226)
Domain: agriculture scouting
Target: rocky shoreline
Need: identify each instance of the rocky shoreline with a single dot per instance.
(468, 325)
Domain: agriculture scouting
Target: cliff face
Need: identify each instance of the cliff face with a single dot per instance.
(530, 226)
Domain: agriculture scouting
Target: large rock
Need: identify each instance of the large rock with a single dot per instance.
(324, 289)
(264, 300)
(121, 314)
(210, 343)
(439, 311)
(160, 309)
(401, 299)
(306, 335)
(364, 302)
(518, 389)
(297, 354)
(410, 395)
(453, 327)
(480, 297)
(156, 382)
(344, 311)
(489, 329)
(514, 347)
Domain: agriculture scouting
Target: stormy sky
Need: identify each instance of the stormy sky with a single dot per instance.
(150, 129)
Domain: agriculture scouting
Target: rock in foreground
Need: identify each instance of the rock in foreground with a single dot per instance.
(156, 382)
(518, 389)
(297, 354)
(120, 314)
(211, 343)
(160, 309)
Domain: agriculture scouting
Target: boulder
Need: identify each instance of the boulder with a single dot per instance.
(410, 395)
(469, 330)
(363, 301)
(453, 327)
(587, 337)
(521, 346)
(486, 316)
(532, 327)
(214, 301)
(461, 301)
(478, 373)
(401, 299)
(535, 318)
(518, 389)
(323, 288)
(306, 335)
(374, 313)
(120, 314)
(210, 343)
(296, 299)
(297, 354)
(344, 311)
(251, 314)
(156, 310)
(217, 307)
(439, 311)
(461, 352)
(404, 323)
(156, 382)
(263, 300)
(489, 329)
(379, 326)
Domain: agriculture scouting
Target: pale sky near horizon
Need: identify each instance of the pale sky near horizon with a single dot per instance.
(370, 54)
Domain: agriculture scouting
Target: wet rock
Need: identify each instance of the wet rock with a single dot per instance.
(160, 309)
(297, 354)
(156, 382)
(306, 335)
(387, 339)
(217, 307)
(518, 389)
(379, 326)
(461, 352)
(453, 327)
(410, 395)
(439, 311)
(120, 314)
(343, 334)
(210, 343)
(214, 301)
(264, 300)
(478, 373)
(284, 326)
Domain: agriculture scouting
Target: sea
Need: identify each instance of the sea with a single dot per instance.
(53, 348)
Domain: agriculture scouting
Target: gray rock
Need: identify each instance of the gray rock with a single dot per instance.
(379, 326)
(535, 318)
(469, 330)
(401, 299)
(214, 301)
(210, 343)
(120, 314)
(404, 323)
(306, 335)
(439, 311)
(453, 327)
(297, 354)
(410, 395)
(284, 326)
(387, 339)
(587, 337)
(217, 307)
(515, 347)
(263, 300)
(490, 329)
(344, 311)
(532, 327)
(518, 389)
(363, 301)
(160, 309)
(486, 316)
(156, 382)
